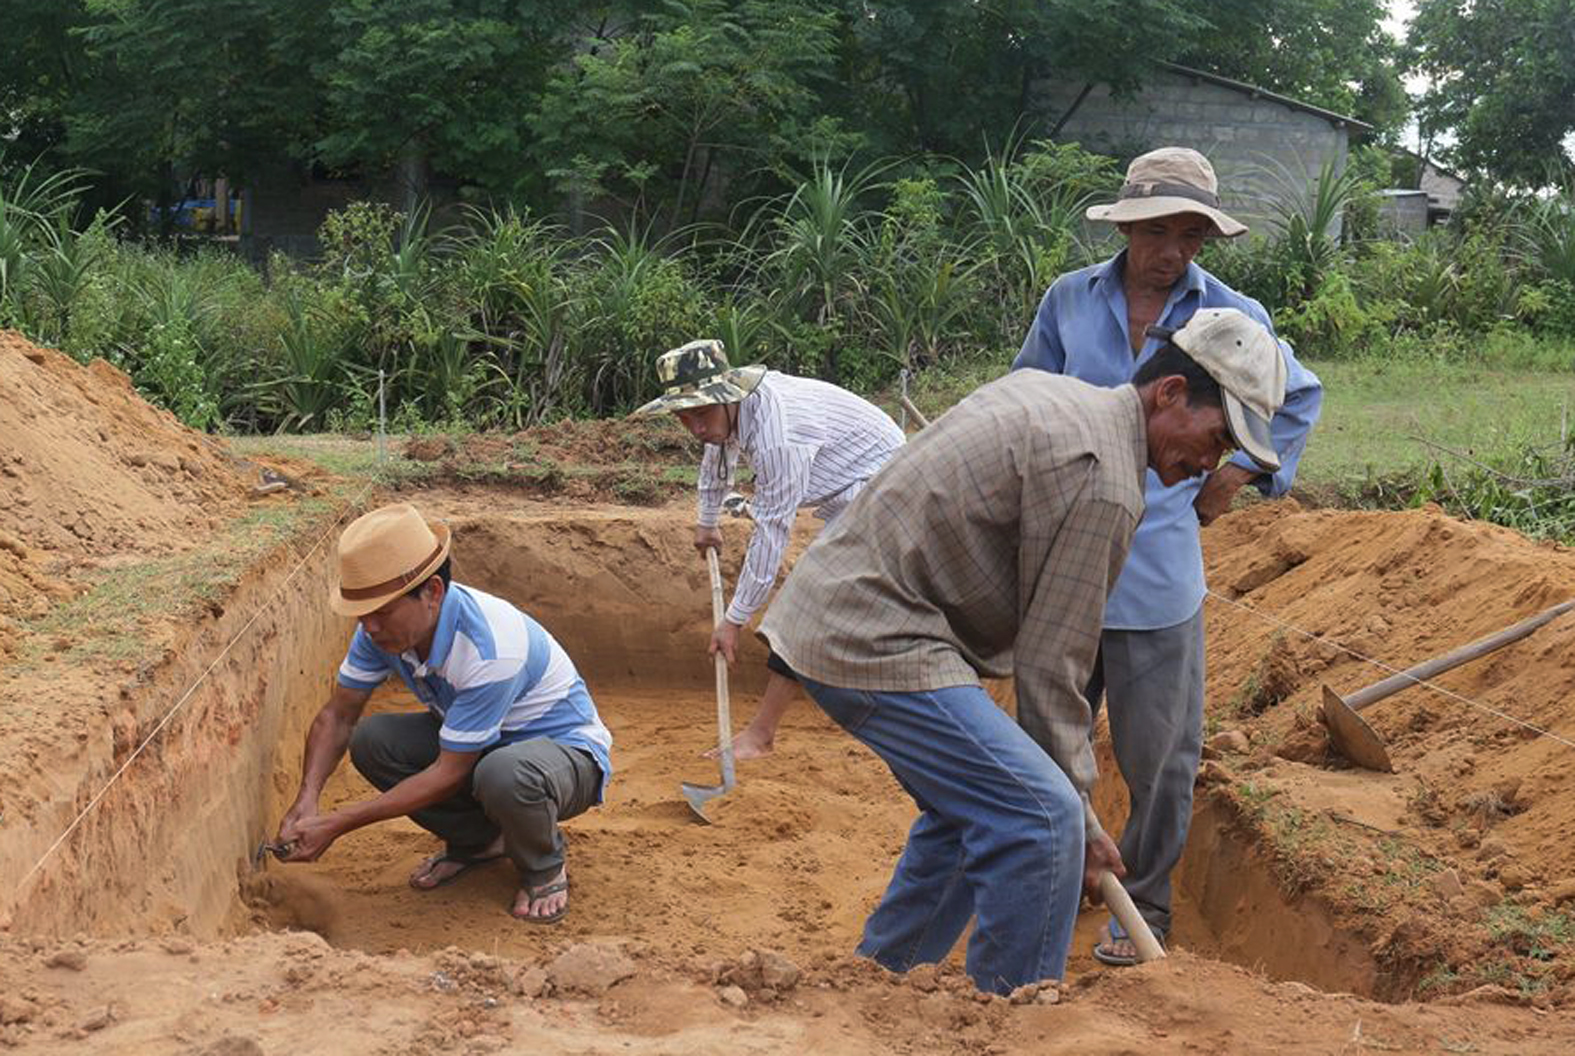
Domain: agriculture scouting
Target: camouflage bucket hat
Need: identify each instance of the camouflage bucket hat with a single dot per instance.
(697, 375)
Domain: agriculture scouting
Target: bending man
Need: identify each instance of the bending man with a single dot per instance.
(809, 444)
(986, 547)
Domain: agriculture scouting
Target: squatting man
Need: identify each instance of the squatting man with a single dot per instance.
(509, 742)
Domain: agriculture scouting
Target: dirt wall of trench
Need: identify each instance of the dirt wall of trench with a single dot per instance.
(160, 850)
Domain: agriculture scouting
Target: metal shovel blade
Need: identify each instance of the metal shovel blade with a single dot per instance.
(1351, 735)
(698, 796)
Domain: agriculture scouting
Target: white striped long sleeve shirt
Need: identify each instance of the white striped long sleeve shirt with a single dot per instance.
(810, 444)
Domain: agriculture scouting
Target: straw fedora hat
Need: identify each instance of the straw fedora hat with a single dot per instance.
(697, 375)
(382, 554)
(1166, 182)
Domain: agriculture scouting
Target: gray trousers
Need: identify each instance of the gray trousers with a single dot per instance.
(521, 790)
(1154, 684)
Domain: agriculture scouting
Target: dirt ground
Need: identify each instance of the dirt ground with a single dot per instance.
(1320, 908)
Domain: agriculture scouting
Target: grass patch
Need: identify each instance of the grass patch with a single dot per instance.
(1541, 938)
(107, 622)
(1374, 412)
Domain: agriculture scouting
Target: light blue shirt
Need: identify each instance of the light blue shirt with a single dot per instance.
(1081, 330)
(493, 676)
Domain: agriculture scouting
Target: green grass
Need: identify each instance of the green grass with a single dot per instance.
(107, 621)
(1377, 414)
(1371, 445)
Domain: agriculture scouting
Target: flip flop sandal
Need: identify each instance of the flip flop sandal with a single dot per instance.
(1104, 952)
(542, 892)
(466, 863)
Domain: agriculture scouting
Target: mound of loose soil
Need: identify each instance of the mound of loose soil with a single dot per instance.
(618, 460)
(92, 474)
(1461, 859)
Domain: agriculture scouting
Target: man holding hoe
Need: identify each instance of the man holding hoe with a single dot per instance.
(809, 443)
(509, 744)
(986, 547)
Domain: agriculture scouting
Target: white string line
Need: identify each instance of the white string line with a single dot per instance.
(22, 884)
(1393, 671)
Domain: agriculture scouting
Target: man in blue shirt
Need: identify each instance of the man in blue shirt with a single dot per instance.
(1094, 324)
(509, 744)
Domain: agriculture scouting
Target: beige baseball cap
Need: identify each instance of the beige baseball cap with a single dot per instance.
(1166, 182)
(1240, 354)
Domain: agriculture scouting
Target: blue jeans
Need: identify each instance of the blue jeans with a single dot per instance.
(1000, 835)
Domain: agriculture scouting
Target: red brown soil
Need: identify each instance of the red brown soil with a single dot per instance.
(639, 462)
(92, 474)
(134, 937)
(1459, 864)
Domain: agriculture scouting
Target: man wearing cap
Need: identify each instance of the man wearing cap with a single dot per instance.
(986, 548)
(1101, 324)
(509, 744)
(809, 443)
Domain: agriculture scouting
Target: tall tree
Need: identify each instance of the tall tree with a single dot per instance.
(950, 77)
(448, 85)
(672, 100)
(1502, 83)
(1331, 53)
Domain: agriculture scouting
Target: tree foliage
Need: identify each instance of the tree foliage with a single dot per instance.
(682, 108)
(1502, 84)
(1331, 53)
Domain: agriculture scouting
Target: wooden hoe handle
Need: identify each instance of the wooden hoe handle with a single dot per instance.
(1132, 922)
(724, 717)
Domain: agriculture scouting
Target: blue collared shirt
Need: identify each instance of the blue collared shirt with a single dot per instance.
(493, 676)
(1081, 330)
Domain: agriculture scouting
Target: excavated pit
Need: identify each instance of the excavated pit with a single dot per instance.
(798, 855)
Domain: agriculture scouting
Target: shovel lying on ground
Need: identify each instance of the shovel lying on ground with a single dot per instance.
(699, 795)
(1349, 732)
(1131, 921)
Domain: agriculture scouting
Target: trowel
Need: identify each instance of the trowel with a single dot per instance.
(699, 795)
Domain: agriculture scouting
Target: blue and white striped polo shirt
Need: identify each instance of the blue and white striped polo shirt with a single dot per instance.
(494, 676)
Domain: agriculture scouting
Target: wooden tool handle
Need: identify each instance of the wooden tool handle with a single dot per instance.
(1438, 665)
(724, 714)
(1131, 921)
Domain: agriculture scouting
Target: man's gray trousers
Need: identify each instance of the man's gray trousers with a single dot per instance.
(1153, 684)
(521, 790)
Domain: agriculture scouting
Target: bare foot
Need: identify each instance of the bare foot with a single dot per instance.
(750, 744)
(543, 903)
(438, 869)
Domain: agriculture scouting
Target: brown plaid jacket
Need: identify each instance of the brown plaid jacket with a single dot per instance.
(986, 546)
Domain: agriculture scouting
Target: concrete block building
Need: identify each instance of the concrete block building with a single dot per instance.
(1264, 146)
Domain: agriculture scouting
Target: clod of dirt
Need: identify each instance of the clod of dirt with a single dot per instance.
(530, 982)
(758, 971)
(233, 1045)
(303, 902)
(1036, 994)
(98, 1019)
(1447, 885)
(1227, 741)
(75, 960)
(589, 968)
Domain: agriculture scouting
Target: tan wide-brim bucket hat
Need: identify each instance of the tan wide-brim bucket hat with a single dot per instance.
(1167, 182)
(697, 375)
(382, 554)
